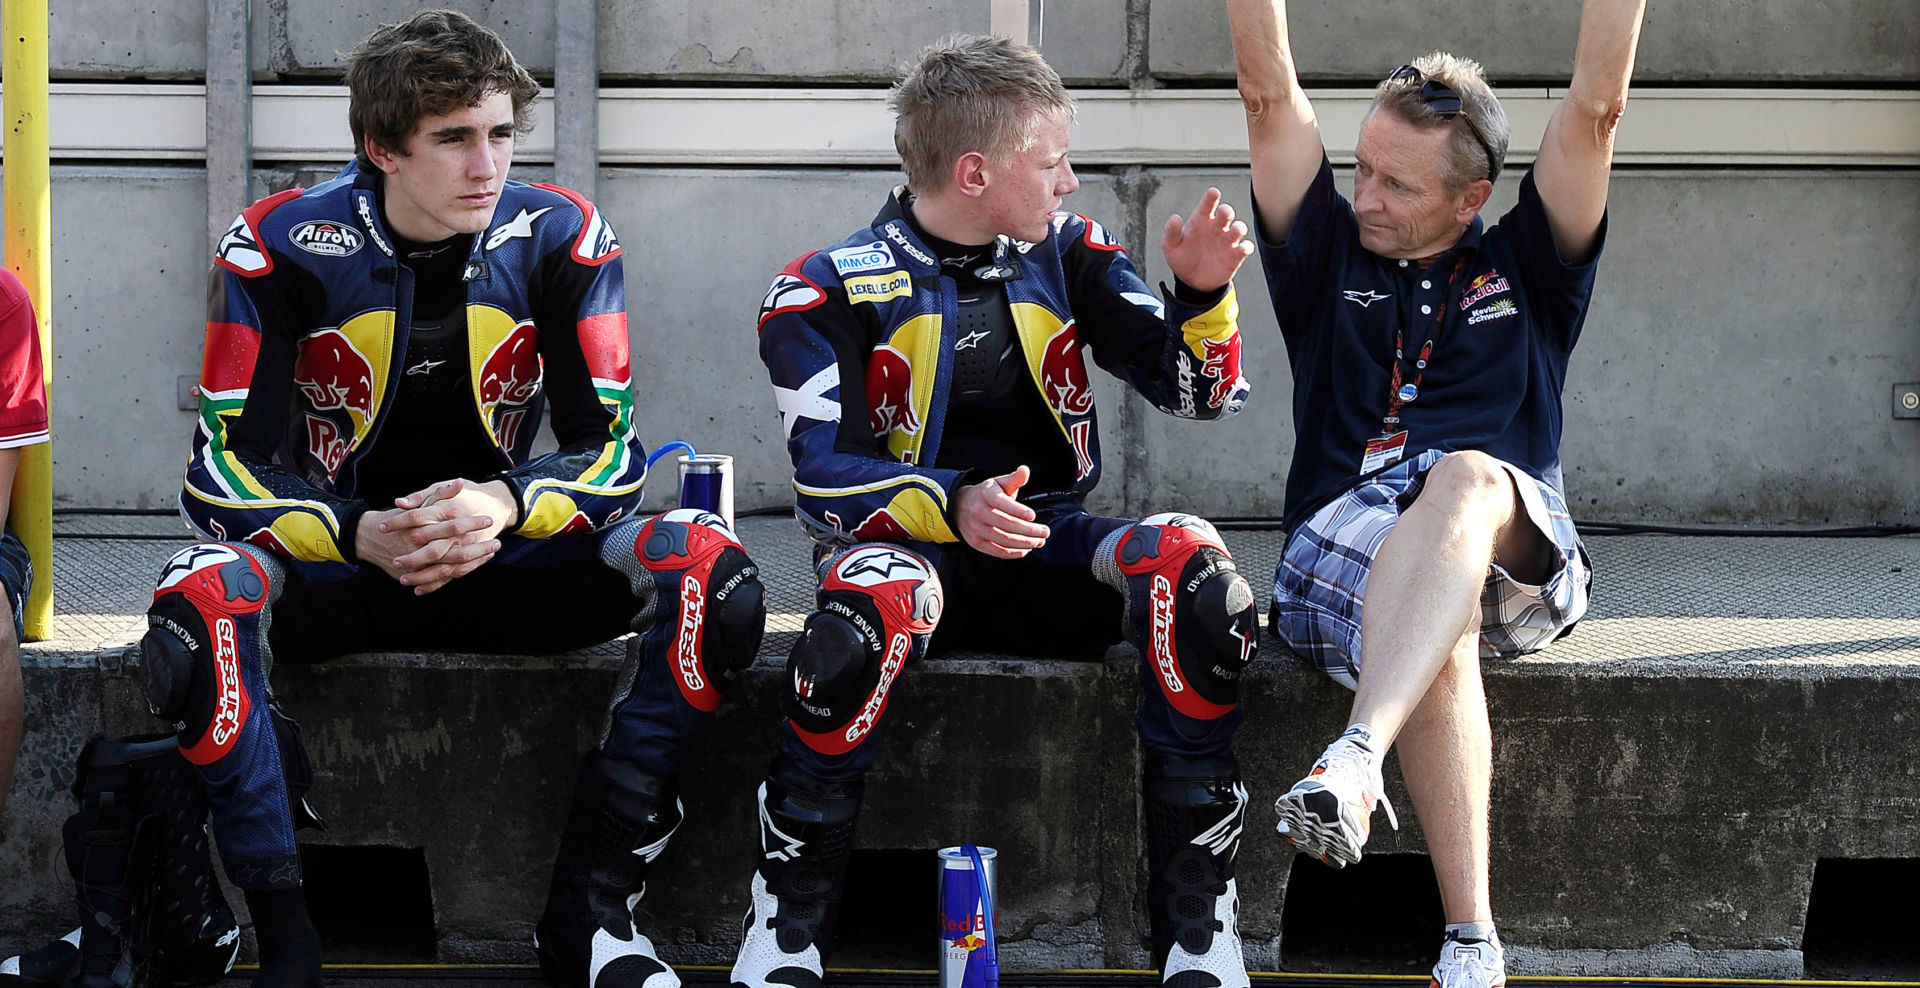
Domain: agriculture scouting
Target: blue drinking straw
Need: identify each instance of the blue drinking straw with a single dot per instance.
(668, 448)
(990, 964)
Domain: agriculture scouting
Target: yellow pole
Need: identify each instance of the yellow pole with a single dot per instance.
(29, 214)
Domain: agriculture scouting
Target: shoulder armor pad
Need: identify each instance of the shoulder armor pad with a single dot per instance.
(792, 291)
(240, 249)
(595, 244)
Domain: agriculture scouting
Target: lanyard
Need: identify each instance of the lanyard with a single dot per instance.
(1399, 390)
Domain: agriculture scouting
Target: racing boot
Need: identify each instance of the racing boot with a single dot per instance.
(1195, 809)
(107, 845)
(621, 821)
(185, 934)
(188, 936)
(806, 837)
(43, 968)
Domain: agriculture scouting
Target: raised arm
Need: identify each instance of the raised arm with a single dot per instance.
(1577, 152)
(1282, 133)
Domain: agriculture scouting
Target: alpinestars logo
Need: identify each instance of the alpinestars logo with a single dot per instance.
(1224, 836)
(519, 226)
(1366, 298)
(791, 846)
(240, 248)
(693, 613)
(1162, 594)
(1184, 379)
(193, 559)
(790, 293)
(226, 667)
(889, 668)
(364, 205)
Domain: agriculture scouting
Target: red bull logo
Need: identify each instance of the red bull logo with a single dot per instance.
(326, 443)
(1222, 363)
(1063, 373)
(1491, 283)
(511, 373)
(1081, 434)
(333, 374)
(890, 392)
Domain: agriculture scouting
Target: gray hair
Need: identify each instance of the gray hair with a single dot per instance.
(1480, 111)
(969, 93)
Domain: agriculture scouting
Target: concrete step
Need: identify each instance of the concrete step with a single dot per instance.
(1734, 711)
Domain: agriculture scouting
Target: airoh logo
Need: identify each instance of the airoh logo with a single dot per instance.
(327, 238)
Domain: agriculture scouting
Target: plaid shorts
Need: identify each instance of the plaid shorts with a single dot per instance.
(16, 580)
(1322, 576)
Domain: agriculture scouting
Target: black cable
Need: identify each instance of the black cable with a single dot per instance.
(125, 536)
(135, 512)
(1845, 532)
(1244, 523)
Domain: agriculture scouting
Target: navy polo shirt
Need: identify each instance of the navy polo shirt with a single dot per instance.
(1499, 362)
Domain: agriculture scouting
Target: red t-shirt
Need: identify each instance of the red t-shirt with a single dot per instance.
(23, 385)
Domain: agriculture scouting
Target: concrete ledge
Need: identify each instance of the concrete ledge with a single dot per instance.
(1665, 779)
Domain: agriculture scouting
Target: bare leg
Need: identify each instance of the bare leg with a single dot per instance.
(1446, 756)
(1423, 594)
(1420, 669)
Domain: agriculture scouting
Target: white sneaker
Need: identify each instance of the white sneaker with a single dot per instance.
(1328, 814)
(1470, 964)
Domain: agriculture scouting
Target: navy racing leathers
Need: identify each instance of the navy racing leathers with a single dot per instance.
(859, 340)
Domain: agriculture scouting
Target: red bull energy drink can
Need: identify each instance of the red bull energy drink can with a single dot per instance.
(967, 958)
(706, 482)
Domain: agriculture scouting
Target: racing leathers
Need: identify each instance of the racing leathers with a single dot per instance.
(309, 314)
(867, 328)
(872, 349)
(308, 368)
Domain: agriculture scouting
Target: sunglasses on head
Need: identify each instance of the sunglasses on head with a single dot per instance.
(1446, 103)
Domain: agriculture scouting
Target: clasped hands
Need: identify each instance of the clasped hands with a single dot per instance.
(436, 535)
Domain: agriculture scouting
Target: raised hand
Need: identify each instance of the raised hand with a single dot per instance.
(1206, 248)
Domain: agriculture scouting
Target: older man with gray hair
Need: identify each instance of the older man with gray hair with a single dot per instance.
(1426, 518)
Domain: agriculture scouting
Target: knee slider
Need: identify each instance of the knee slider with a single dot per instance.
(1189, 610)
(1228, 628)
(173, 652)
(878, 606)
(208, 609)
(738, 617)
(829, 671)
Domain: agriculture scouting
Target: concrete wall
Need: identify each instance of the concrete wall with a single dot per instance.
(1737, 366)
(1087, 40)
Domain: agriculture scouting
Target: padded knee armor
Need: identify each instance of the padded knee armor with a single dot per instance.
(204, 662)
(876, 609)
(1188, 609)
(701, 603)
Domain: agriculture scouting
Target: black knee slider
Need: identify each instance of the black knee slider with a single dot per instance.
(832, 667)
